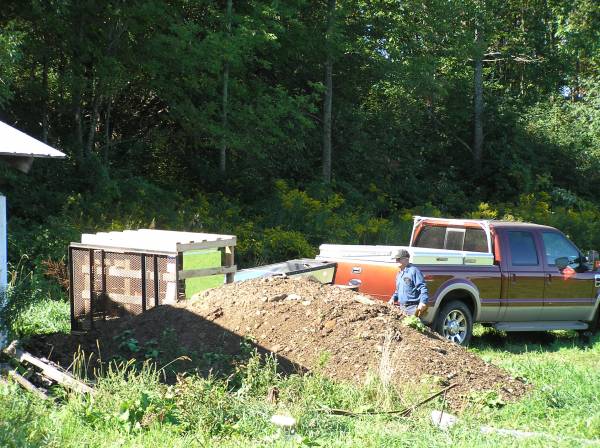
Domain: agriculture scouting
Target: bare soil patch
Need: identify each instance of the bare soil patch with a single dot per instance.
(308, 325)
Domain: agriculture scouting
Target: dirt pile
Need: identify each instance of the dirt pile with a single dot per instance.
(307, 325)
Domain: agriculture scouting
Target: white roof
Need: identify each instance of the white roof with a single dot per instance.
(149, 239)
(16, 143)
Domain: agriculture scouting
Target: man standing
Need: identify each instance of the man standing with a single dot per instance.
(411, 291)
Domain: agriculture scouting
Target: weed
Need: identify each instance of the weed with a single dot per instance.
(323, 359)
(486, 399)
(414, 322)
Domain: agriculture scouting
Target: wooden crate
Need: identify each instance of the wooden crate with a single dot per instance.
(122, 273)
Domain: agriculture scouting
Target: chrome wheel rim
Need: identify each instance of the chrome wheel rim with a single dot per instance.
(454, 327)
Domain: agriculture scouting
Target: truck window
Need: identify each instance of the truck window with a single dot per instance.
(432, 237)
(522, 249)
(558, 246)
(475, 240)
(454, 239)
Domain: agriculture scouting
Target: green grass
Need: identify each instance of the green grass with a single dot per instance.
(133, 408)
(200, 259)
(44, 316)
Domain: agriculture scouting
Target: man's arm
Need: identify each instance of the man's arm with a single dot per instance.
(423, 292)
(421, 286)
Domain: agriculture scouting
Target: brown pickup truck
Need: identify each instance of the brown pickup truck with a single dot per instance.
(509, 275)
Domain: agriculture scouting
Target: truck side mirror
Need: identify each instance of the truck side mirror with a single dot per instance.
(561, 263)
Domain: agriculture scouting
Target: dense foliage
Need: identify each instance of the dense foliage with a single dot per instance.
(180, 114)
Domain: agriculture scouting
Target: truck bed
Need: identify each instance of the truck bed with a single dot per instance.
(321, 271)
(419, 255)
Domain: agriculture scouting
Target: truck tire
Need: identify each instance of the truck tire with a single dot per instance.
(595, 323)
(455, 322)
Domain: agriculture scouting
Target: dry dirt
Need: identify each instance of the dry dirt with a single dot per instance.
(308, 325)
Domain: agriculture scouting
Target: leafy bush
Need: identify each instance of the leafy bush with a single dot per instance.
(279, 245)
(42, 316)
(32, 309)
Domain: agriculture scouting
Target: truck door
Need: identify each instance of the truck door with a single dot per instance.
(569, 292)
(525, 283)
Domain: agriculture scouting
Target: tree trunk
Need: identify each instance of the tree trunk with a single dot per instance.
(478, 105)
(328, 94)
(78, 92)
(78, 124)
(45, 96)
(223, 152)
(93, 119)
(107, 133)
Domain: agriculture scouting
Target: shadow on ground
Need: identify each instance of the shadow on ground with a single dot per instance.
(178, 341)
(522, 342)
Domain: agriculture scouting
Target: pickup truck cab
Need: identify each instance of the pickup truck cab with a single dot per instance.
(510, 275)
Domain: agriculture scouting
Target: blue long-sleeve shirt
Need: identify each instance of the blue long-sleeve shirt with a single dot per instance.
(410, 287)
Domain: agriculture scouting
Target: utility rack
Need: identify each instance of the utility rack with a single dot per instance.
(114, 274)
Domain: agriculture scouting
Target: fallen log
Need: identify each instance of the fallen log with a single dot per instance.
(63, 378)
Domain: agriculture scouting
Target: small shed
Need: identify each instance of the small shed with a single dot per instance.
(113, 274)
(18, 150)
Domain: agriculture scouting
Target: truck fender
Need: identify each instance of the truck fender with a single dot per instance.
(446, 288)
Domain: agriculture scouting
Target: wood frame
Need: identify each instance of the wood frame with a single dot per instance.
(97, 252)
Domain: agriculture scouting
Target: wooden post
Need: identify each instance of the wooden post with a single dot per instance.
(156, 280)
(180, 283)
(143, 271)
(103, 282)
(91, 257)
(229, 261)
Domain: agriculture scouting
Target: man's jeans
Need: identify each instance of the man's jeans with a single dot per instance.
(409, 309)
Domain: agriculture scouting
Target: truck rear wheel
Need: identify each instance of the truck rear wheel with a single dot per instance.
(595, 323)
(455, 322)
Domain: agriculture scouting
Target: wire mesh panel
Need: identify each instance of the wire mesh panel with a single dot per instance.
(80, 289)
(160, 280)
(123, 284)
(106, 284)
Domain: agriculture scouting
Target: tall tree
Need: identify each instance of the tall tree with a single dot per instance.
(328, 97)
(225, 97)
(478, 101)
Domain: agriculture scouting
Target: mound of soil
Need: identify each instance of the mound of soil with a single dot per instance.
(308, 325)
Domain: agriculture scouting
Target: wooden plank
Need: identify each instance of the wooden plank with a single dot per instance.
(206, 244)
(122, 250)
(118, 298)
(190, 273)
(115, 271)
(26, 384)
(63, 378)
